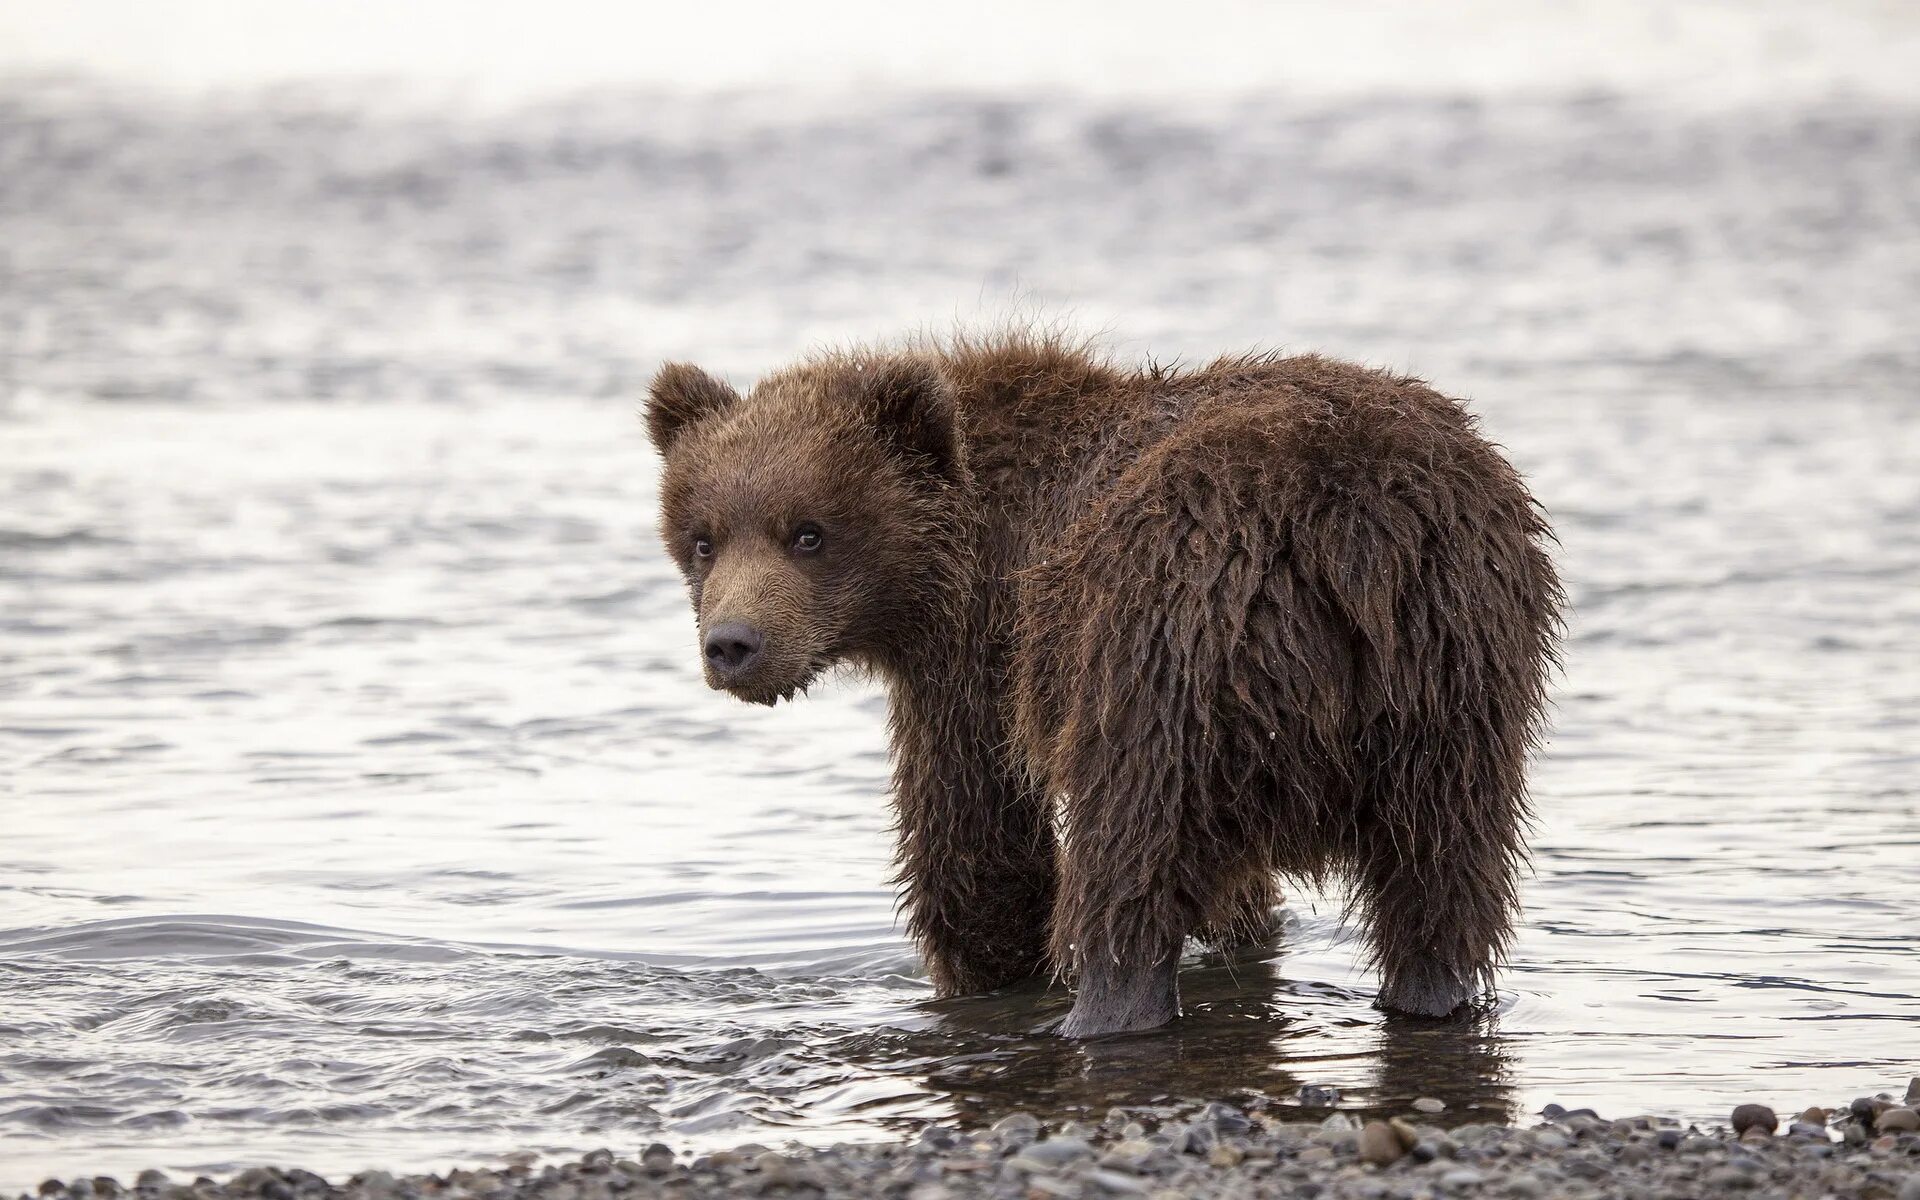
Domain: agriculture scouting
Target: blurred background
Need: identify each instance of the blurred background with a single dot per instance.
(362, 802)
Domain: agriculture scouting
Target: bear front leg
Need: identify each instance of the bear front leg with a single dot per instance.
(1242, 918)
(1118, 996)
(978, 926)
(976, 849)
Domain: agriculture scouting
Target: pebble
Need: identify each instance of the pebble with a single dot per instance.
(1015, 1128)
(1427, 1104)
(1225, 1118)
(1729, 1179)
(1226, 1154)
(1197, 1138)
(1057, 1151)
(1114, 1181)
(1585, 1167)
(1132, 1151)
(773, 1169)
(1209, 1153)
(1380, 1144)
(1913, 1097)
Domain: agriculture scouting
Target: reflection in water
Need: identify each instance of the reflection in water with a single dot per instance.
(1463, 1063)
(1235, 1042)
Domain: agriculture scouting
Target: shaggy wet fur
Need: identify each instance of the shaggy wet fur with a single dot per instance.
(1151, 639)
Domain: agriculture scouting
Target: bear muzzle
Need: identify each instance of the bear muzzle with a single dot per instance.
(736, 659)
(733, 651)
(743, 662)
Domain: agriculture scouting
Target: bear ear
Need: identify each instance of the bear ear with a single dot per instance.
(680, 395)
(912, 407)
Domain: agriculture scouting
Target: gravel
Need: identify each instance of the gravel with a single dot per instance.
(1868, 1149)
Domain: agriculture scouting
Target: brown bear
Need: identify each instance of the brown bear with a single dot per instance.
(1150, 637)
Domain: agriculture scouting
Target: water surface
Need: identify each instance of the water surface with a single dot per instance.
(362, 802)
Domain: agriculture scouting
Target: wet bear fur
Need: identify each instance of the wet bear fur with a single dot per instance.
(1152, 638)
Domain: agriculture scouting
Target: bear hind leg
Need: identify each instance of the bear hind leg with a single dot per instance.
(1151, 851)
(1437, 876)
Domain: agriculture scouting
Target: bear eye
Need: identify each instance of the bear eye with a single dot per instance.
(807, 539)
(702, 548)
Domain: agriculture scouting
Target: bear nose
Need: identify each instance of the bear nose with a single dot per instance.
(732, 648)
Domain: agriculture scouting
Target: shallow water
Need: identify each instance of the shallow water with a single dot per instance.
(363, 805)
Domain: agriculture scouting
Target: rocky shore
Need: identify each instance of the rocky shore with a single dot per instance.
(1868, 1149)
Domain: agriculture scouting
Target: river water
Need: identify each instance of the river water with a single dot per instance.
(362, 804)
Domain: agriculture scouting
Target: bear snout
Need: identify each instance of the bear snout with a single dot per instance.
(733, 649)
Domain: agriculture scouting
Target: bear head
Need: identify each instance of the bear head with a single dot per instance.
(814, 517)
